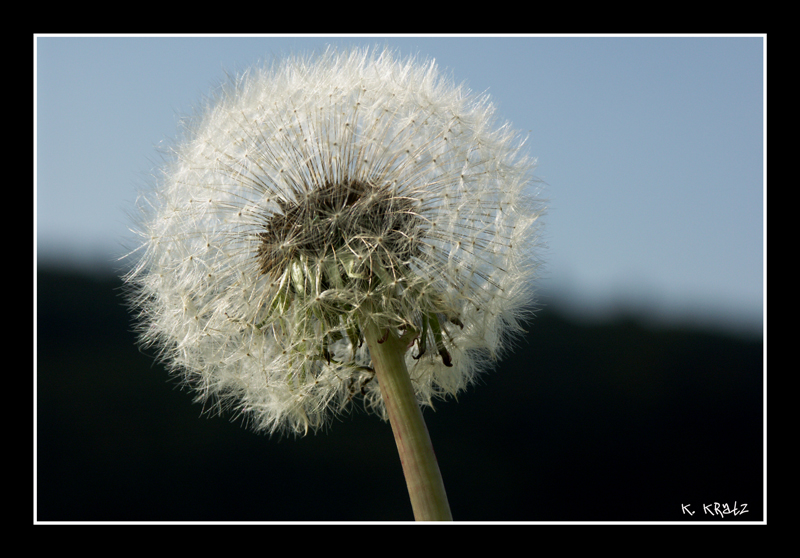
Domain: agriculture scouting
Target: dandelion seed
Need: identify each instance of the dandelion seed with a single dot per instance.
(352, 193)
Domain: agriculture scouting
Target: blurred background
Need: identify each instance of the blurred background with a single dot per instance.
(638, 388)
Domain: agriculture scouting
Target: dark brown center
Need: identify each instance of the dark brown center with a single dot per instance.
(353, 217)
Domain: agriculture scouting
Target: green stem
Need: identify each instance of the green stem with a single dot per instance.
(423, 478)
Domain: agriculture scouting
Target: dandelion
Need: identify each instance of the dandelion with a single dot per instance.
(329, 229)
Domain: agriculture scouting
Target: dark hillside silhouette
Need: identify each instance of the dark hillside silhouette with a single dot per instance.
(604, 422)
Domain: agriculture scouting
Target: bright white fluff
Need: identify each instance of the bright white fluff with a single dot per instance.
(308, 197)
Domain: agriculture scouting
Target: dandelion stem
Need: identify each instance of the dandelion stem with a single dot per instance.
(423, 478)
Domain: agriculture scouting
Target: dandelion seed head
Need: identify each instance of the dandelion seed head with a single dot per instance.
(309, 196)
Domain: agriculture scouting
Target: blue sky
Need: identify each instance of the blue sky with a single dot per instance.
(652, 149)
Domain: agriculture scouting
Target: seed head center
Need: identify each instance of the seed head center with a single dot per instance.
(353, 218)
